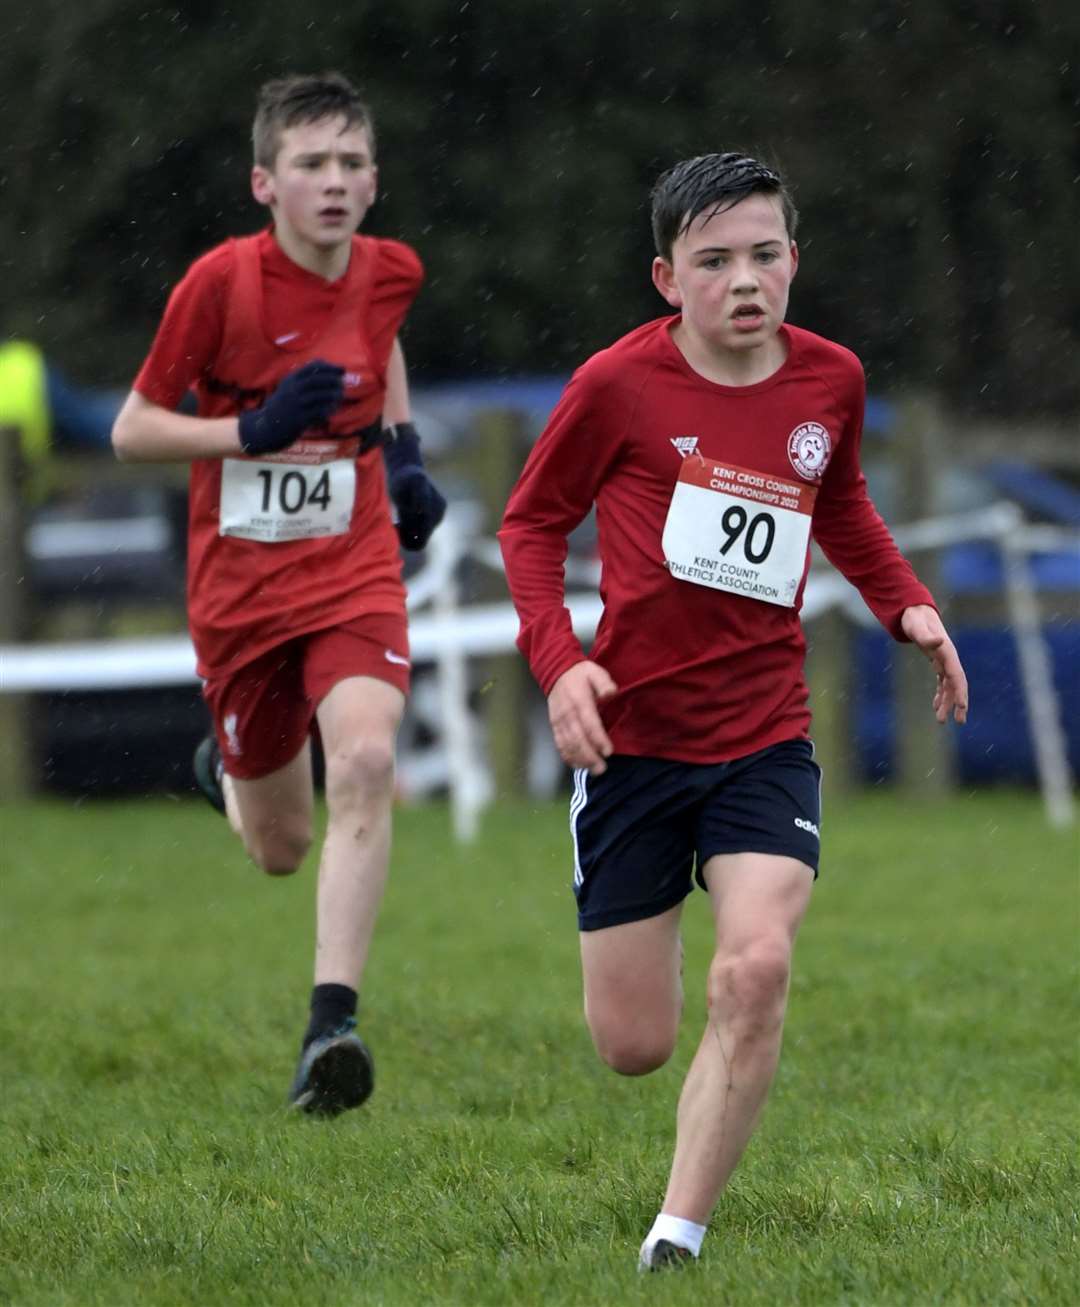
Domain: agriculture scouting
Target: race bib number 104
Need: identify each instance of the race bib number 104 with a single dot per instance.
(734, 529)
(273, 502)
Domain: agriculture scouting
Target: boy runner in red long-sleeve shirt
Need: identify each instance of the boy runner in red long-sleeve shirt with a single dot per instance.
(295, 599)
(713, 445)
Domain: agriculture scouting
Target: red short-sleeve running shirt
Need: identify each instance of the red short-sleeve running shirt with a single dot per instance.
(300, 540)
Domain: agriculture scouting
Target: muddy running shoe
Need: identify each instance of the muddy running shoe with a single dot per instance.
(664, 1254)
(336, 1072)
(209, 769)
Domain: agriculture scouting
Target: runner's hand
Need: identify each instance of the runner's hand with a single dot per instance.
(579, 733)
(420, 506)
(301, 400)
(923, 627)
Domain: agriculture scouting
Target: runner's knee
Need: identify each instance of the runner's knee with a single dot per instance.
(747, 989)
(279, 847)
(360, 770)
(632, 1047)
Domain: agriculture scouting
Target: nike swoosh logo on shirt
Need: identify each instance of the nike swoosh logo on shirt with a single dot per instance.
(284, 340)
(392, 657)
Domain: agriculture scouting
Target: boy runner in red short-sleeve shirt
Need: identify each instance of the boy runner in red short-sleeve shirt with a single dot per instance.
(713, 444)
(295, 598)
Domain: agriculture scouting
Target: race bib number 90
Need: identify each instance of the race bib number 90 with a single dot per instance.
(734, 529)
(273, 502)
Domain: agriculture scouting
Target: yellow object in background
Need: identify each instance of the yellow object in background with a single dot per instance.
(24, 405)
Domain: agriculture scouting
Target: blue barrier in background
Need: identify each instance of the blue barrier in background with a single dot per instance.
(995, 744)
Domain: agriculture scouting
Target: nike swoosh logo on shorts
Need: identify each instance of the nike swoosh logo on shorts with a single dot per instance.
(284, 340)
(392, 657)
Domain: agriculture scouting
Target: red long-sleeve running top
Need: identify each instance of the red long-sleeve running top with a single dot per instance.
(673, 461)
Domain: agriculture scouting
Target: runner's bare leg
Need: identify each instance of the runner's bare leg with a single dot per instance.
(358, 721)
(758, 902)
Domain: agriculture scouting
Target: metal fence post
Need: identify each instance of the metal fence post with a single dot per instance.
(924, 755)
(504, 694)
(15, 752)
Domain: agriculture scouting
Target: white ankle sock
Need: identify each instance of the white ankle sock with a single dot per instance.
(675, 1230)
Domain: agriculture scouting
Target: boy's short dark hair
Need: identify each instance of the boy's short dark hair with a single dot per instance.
(304, 99)
(715, 182)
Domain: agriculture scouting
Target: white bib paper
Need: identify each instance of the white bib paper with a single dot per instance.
(272, 501)
(737, 530)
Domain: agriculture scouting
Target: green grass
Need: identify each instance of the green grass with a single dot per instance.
(920, 1146)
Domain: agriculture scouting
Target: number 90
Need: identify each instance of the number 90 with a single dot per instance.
(755, 548)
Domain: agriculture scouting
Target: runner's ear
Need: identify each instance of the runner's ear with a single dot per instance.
(663, 275)
(262, 185)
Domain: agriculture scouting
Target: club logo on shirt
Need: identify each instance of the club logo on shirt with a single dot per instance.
(684, 444)
(232, 739)
(808, 449)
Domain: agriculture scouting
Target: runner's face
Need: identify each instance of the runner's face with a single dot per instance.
(321, 185)
(730, 275)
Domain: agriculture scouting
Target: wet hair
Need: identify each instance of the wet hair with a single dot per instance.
(288, 101)
(712, 182)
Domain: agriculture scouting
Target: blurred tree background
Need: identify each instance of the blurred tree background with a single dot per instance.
(934, 150)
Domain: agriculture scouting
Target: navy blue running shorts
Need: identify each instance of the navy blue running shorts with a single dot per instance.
(642, 827)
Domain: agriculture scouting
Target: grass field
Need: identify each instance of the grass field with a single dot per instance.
(920, 1146)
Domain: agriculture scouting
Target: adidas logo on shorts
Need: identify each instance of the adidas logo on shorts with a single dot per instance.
(803, 824)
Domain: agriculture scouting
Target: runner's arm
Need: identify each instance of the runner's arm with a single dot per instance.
(859, 544)
(419, 503)
(924, 628)
(145, 432)
(853, 536)
(148, 429)
(396, 406)
(575, 722)
(303, 398)
(557, 488)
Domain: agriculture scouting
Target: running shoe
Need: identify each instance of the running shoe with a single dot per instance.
(664, 1254)
(209, 768)
(335, 1072)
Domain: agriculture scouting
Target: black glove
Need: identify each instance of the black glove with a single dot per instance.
(419, 505)
(303, 398)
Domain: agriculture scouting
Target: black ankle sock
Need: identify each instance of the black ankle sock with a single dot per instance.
(330, 1006)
